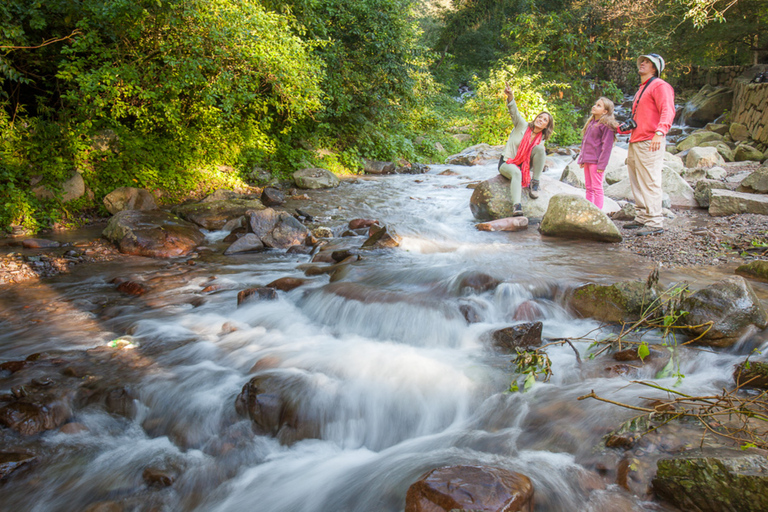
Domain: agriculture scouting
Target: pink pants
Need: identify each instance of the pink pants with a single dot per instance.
(594, 182)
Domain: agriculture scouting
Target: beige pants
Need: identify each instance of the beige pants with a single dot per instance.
(645, 177)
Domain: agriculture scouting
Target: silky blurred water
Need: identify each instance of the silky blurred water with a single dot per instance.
(382, 360)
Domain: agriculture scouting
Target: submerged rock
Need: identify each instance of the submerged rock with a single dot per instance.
(271, 402)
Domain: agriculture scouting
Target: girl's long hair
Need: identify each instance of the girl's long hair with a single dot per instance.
(607, 119)
(546, 133)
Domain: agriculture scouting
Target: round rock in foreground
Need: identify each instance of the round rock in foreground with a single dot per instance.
(476, 488)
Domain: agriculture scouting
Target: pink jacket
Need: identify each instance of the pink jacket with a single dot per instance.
(597, 145)
(656, 110)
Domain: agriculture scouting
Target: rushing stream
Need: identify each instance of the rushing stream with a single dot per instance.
(382, 359)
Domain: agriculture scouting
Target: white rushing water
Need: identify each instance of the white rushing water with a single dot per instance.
(399, 383)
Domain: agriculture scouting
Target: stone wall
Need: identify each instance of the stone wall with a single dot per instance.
(624, 74)
(750, 105)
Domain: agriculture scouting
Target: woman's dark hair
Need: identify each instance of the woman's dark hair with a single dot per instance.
(547, 132)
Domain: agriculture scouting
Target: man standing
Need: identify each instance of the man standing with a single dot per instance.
(654, 111)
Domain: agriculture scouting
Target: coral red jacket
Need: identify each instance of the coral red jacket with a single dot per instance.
(656, 110)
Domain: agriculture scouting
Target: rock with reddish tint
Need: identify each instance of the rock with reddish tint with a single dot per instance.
(525, 335)
(39, 243)
(155, 234)
(13, 366)
(505, 224)
(287, 284)
(13, 461)
(723, 313)
(252, 294)
(246, 243)
(279, 230)
(475, 488)
(272, 404)
(131, 288)
(361, 223)
(158, 478)
(272, 197)
(214, 215)
(381, 238)
(129, 198)
(528, 311)
(36, 411)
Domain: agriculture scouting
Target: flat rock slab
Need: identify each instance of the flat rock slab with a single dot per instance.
(213, 215)
(155, 234)
(506, 224)
(727, 202)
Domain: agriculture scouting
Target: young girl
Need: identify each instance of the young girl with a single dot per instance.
(598, 136)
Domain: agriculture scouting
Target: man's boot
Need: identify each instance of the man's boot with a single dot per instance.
(533, 191)
(517, 210)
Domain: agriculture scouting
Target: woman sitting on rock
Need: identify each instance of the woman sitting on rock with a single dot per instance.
(524, 155)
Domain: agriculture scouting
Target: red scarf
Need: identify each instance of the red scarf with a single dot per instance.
(523, 157)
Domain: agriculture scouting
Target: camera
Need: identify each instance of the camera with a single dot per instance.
(628, 125)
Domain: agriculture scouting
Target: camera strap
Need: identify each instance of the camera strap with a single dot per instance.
(636, 103)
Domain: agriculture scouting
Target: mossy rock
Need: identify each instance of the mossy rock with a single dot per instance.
(755, 269)
(615, 303)
(713, 480)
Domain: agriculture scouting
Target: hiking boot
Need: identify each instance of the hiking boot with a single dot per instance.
(647, 230)
(533, 191)
(517, 210)
(633, 225)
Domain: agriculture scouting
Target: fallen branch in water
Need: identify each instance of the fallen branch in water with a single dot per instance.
(737, 418)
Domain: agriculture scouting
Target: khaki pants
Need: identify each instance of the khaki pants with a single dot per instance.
(645, 177)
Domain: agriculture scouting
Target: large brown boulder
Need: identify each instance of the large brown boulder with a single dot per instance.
(279, 230)
(273, 406)
(707, 105)
(156, 234)
(723, 313)
(215, 214)
(475, 488)
(129, 198)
